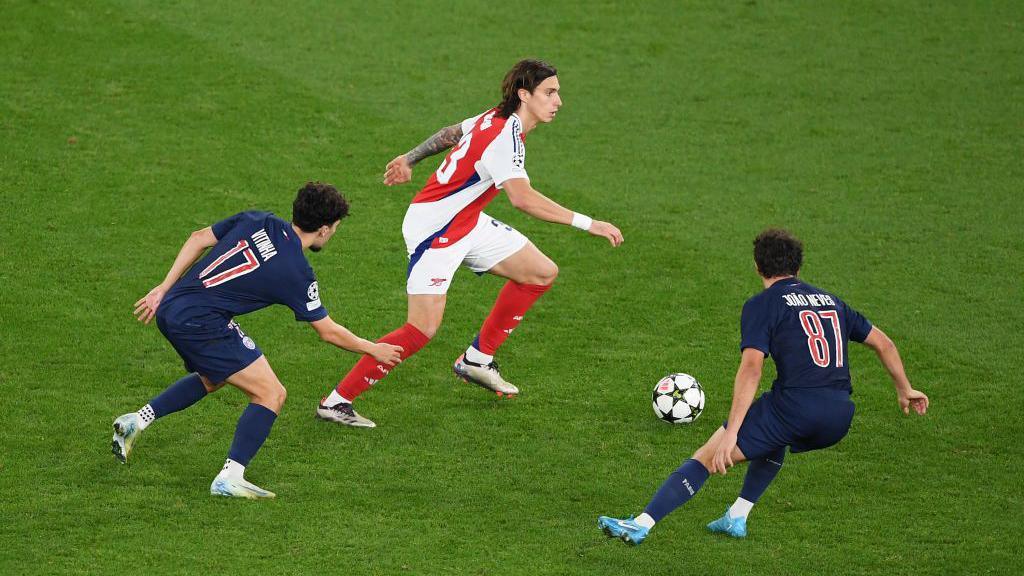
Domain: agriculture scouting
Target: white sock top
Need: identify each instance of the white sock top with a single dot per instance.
(740, 508)
(146, 416)
(333, 399)
(645, 520)
(232, 469)
(477, 357)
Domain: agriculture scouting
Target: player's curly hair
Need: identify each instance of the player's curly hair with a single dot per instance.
(778, 253)
(526, 74)
(318, 204)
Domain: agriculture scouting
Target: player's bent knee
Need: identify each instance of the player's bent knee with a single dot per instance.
(544, 275)
(549, 274)
(272, 397)
(427, 328)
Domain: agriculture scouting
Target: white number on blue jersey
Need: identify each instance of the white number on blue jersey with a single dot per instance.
(250, 264)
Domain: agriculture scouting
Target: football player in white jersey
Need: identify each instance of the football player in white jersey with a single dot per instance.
(445, 227)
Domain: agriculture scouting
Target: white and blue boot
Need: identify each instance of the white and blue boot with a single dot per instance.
(733, 526)
(237, 488)
(126, 432)
(625, 529)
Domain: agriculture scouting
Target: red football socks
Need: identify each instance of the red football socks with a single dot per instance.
(512, 303)
(368, 371)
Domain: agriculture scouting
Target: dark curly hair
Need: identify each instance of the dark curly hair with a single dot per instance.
(318, 204)
(526, 74)
(778, 253)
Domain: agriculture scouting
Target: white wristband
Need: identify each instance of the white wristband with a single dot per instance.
(581, 221)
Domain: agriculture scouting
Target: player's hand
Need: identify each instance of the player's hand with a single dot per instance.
(606, 230)
(913, 399)
(385, 353)
(146, 306)
(398, 171)
(722, 459)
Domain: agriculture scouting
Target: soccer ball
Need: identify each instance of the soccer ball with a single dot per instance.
(678, 399)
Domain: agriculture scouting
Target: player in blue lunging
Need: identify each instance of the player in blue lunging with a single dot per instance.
(256, 260)
(806, 330)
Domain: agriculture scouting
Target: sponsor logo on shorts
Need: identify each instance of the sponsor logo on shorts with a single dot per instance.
(437, 281)
(248, 343)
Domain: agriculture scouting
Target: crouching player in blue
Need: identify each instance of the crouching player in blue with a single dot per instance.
(256, 260)
(806, 330)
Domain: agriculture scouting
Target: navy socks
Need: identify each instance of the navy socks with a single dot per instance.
(178, 396)
(680, 486)
(760, 474)
(253, 428)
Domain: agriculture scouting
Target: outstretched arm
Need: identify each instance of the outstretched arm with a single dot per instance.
(399, 170)
(524, 197)
(197, 243)
(890, 358)
(334, 333)
(747, 378)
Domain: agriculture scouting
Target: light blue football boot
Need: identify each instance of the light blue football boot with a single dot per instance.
(625, 529)
(126, 431)
(238, 488)
(735, 527)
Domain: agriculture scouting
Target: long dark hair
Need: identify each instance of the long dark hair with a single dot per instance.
(526, 74)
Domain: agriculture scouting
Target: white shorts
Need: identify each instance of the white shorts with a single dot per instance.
(490, 242)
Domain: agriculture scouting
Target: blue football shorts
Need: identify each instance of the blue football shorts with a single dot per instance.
(802, 418)
(214, 352)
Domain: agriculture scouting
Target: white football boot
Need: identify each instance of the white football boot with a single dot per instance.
(126, 432)
(342, 413)
(238, 488)
(485, 376)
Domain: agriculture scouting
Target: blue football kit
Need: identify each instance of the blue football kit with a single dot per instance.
(258, 261)
(806, 331)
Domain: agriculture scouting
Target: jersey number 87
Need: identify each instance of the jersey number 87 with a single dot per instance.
(816, 341)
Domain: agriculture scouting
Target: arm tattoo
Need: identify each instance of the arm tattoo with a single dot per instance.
(444, 139)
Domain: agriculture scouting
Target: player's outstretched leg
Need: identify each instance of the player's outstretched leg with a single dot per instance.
(267, 396)
(337, 406)
(178, 396)
(680, 486)
(530, 274)
(760, 474)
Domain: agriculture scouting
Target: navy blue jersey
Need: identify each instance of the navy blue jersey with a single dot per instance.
(257, 261)
(805, 330)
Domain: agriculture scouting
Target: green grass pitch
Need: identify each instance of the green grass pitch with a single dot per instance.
(889, 136)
